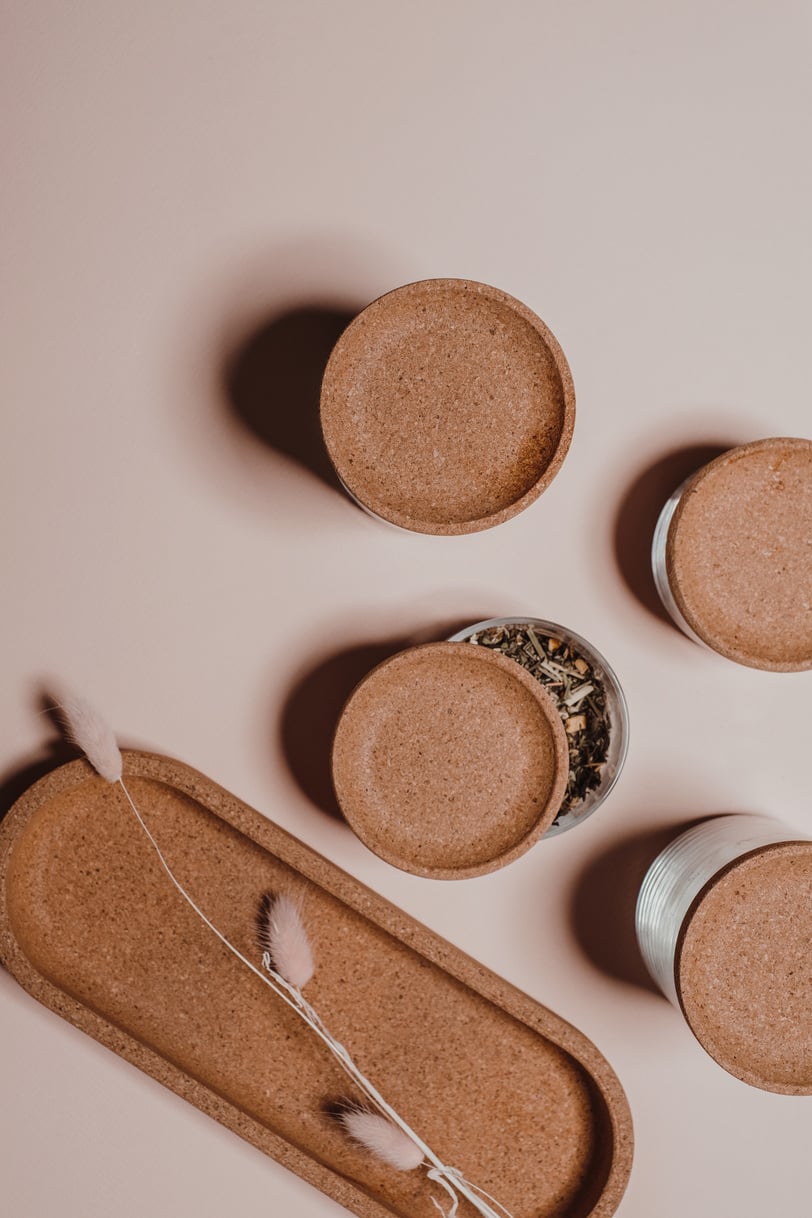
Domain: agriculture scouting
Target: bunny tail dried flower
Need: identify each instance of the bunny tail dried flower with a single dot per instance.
(94, 736)
(283, 936)
(88, 731)
(383, 1139)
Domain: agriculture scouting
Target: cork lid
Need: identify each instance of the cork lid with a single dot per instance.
(739, 554)
(447, 407)
(449, 761)
(744, 969)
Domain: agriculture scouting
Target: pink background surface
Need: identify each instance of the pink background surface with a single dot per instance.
(180, 176)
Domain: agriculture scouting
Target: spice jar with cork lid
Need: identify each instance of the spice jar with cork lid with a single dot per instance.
(449, 761)
(732, 555)
(447, 407)
(724, 924)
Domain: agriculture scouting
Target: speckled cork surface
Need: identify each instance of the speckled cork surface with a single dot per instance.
(498, 1085)
(447, 406)
(744, 968)
(449, 760)
(739, 554)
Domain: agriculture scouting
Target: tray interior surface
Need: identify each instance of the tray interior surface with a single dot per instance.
(93, 914)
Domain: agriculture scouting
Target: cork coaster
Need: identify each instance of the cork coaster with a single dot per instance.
(447, 407)
(449, 760)
(744, 968)
(739, 554)
(91, 926)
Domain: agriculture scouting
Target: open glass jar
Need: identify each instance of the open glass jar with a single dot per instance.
(589, 697)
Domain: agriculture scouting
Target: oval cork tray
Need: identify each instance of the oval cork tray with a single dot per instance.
(449, 760)
(90, 925)
(447, 407)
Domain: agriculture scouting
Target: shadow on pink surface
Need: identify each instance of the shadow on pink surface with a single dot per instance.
(312, 709)
(314, 704)
(603, 900)
(638, 513)
(16, 781)
(272, 382)
(54, 752)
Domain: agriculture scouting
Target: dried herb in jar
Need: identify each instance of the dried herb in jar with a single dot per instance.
(578, 692)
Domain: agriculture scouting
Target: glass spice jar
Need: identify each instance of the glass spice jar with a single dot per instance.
(589, 698)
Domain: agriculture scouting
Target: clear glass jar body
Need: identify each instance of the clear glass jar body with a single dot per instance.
(617, 708)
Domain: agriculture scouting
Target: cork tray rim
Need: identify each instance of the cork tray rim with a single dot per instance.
(354, 353)
(73, 793)
(411, 833)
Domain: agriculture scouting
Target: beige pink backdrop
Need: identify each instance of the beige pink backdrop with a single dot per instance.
(195, 195)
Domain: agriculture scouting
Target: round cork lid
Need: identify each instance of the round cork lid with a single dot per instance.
(447, 407)
(449, 761)
(739, 554)
(744, 968)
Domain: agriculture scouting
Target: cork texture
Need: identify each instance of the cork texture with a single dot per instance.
(90, 925)
(447, 406)
(739, 554)
(449, 760)
(744, 968)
